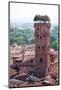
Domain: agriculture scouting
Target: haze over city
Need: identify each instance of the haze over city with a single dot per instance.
(25, 12)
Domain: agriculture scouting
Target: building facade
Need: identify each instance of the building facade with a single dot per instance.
(37, 59)
(42, 46)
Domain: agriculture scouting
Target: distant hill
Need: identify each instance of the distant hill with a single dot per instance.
(22, 25)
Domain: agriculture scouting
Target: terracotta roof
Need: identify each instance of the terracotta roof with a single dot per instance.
(29, 53)
(53, 52)
(29, 50)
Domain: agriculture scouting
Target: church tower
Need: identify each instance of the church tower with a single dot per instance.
(42, 45)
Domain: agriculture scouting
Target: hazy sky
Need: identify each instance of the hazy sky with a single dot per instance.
(20, 12)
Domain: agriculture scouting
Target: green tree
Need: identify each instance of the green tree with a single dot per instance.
(20, 40)
(54, 37)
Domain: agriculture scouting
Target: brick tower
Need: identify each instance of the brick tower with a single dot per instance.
(42, 45)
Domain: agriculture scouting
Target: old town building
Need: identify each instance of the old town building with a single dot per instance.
(38, 59)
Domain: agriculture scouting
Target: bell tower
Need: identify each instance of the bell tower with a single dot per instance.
(42, 45)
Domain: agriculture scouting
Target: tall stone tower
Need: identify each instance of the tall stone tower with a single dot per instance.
(42, 45)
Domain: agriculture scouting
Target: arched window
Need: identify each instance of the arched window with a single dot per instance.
(40, 59)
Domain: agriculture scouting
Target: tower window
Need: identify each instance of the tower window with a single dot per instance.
(40, 59)
(40, 37)
(31, 61)
(38, 28)
(43, 47)
(38, 47)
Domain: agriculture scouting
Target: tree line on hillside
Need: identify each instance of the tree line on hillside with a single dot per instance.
(26, 36)
(20, 36)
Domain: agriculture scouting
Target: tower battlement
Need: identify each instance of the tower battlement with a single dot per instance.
(42, 20)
